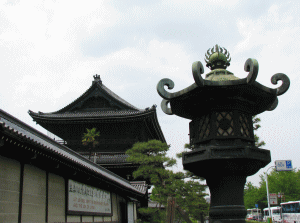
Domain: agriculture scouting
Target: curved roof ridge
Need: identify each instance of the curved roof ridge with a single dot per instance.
(85, 95)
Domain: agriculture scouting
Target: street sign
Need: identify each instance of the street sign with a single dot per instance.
(256, 205)
(273, 198)
(283, 165)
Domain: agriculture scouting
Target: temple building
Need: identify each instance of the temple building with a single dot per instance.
(42, 180)
(120, 125)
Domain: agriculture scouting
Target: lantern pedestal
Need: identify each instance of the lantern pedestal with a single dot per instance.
(225, 169)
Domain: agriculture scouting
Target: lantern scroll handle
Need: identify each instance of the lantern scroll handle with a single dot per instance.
(161, 90)
(198, 69)
(274, 105)
(285, 82)
(165, 108)
(251, 66)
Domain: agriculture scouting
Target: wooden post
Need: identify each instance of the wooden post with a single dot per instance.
(184, 214)
(171, 209)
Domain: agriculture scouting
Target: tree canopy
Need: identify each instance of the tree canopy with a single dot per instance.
(154, 163)
(89, 139)
(287, 182)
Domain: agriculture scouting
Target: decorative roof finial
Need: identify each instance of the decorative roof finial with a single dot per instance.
(97, 79)
(216, 59)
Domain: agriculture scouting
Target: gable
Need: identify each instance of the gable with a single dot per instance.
(96, 103)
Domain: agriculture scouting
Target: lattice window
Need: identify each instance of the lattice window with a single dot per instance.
(204, 127)
(245, 125)
(224, 124)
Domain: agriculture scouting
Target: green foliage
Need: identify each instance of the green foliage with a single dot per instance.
(254, 195)
(152, 215)
(256, 126)
(287, 182)
(89, 139)
(153, 161)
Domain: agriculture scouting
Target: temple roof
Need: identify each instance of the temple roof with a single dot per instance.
(99, 104)
(98, 100)
(89, 114)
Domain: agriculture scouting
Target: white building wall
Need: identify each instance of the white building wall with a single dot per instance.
(87, 219)
(56, 198)
(34, 195)
(98, 219)
(107, 219)
(71, 218)
(9, 189)
(130, 207)
(115, 205)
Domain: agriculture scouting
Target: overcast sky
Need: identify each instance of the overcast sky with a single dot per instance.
(50, 51)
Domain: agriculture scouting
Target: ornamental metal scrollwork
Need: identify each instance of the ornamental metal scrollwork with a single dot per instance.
(197, 69)
(161, 90)
(285, 82)
(251, 66)
(165, 108)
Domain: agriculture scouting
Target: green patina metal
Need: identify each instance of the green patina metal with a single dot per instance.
(217, 57)
(220, 75)
(220, 108)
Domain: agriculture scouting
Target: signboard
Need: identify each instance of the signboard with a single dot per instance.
(273, 198)
(86, 199)
(283, 165)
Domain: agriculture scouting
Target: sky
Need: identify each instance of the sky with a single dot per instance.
(50, 50)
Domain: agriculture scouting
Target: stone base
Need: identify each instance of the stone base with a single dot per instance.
(225, 169)
(227, 200)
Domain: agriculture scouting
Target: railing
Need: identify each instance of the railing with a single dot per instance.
(62, 142)
(106, 157)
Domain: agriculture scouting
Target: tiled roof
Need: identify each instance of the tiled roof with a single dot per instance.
(140, 185)
(116, 96)
(22, 131)
(102, 88)
(92, 114)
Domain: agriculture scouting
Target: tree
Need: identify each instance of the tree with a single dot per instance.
(153, 161)
(256, 126)
(89, 139)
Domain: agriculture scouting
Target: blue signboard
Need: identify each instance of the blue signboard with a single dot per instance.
(256, 205)
(283, 165)
(289, 164)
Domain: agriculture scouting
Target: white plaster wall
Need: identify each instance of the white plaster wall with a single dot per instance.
(135, 212)
(71, 218)
(107, 219)
(9, 189)
(115, 205)
(87, 219)
(34, 195)
(56, 198)
(130, 213)
(98, 219)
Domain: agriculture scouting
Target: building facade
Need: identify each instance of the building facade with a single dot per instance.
(44, 181)
(120, 125)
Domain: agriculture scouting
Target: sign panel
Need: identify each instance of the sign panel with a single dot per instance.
(86, 199)
(283, 165)
(273, 198)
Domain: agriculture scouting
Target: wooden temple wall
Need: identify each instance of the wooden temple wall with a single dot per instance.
(29, 194)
